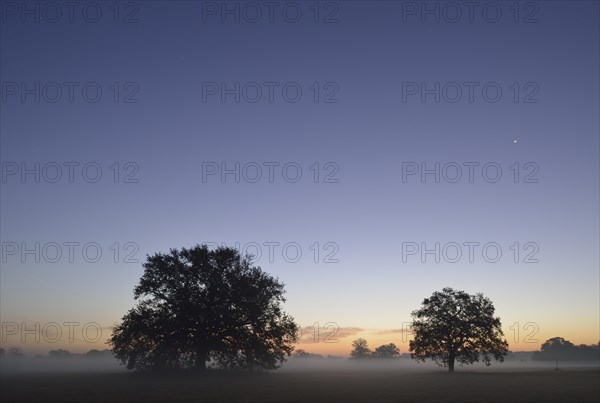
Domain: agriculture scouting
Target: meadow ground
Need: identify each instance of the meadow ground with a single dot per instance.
(570, 385)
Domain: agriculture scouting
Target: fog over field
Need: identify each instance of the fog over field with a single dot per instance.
(24, 365)
(107, 363)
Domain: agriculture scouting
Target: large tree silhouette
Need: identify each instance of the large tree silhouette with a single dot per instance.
(455, 326)
(200, 306)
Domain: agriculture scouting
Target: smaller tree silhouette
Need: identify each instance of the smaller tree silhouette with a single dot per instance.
(360, 349)
(559, 349)
(455, 326)
(557, 344)
(386, 351)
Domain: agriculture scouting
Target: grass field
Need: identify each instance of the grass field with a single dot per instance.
(569, 385)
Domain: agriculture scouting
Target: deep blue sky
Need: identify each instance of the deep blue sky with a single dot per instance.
(171, 53)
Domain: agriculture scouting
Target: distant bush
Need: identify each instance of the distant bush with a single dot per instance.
(386, 351)
(60, 353)
(98, 353)
(305, 354)
(15, 352)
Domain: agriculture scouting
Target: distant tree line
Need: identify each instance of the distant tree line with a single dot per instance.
(12, 352)
(17, 352)
(300, 353)
(556, 348)
(361, 350)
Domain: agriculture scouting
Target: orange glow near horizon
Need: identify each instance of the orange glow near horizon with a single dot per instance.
(325, 343)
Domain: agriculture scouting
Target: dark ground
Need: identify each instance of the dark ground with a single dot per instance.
(308, 386)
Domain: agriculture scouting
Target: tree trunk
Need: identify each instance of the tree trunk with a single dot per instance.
(451, 362)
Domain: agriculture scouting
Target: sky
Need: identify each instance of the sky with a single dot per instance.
(368, 153)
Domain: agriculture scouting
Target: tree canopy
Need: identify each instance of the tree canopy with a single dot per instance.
(199, 306)
(455, 326)
(360, 349)
(386, 351)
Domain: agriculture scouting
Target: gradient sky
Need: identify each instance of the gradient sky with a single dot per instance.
(175, 48)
